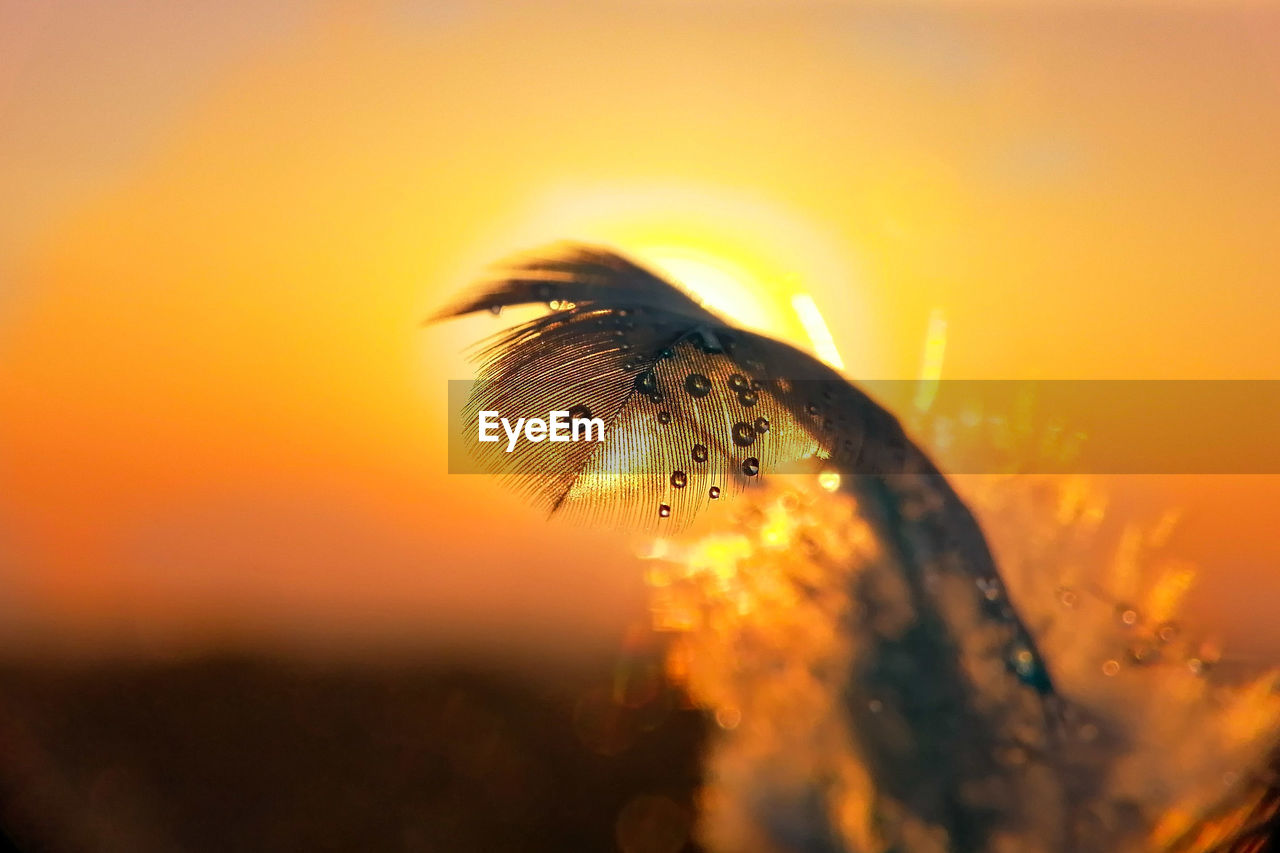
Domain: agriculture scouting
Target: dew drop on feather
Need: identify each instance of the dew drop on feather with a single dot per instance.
(1144, 652)
(762, 425)
(664, 510)
(678, 479)
(743, 434)
(751, 466)
(699, 453)
(697, 385)
(714, 492)
(1028, 667)
(664, 417)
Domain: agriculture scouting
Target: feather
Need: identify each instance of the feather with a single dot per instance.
(697, 410)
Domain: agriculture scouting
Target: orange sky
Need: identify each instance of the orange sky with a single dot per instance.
(219, 417)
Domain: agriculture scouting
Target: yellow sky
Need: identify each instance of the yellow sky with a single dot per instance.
(219, 414)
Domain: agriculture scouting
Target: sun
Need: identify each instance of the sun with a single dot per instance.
(749, 259)
(723, 286)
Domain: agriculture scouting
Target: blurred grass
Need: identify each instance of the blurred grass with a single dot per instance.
(243, 754)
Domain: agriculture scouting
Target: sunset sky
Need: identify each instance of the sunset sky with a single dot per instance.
(221, 420)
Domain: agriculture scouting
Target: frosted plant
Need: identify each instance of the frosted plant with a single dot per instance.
(877, 688)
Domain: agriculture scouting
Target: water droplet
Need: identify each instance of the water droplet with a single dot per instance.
(1068, 597)
(1111, 667)
(1027, 667)
(578, 412)
(1144, 652)
(664, 510)
(811, 409)
(829, 480)
(728, 717)
(1166, 632)
(738, 382)
(1127, 615)
(762, 425)
(647, 382)
(748, 398)
(655, 397)
(1023, 661)
(751, 466)
(697, 385)
(714, 492)
(699, 453)
(678, 479)
(664, 417)
(666, 352)
(754, 385)
(743, 434)
(875, 706)
(709, 344)
(495, 310)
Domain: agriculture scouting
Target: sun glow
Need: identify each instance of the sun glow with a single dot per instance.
(816, 327)
(716, 281)
(745, 257)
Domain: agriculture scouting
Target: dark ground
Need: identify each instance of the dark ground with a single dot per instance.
(248, 755)
(238, 754)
